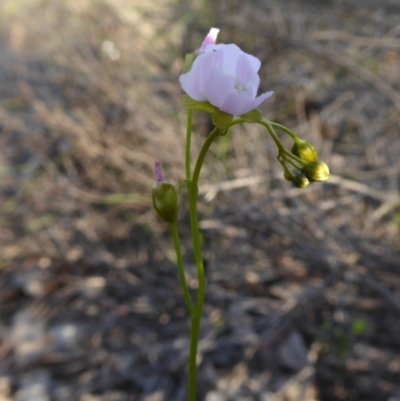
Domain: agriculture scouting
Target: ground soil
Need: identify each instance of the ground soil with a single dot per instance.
(302, 285)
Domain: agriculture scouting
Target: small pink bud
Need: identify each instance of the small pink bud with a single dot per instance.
(157, 168)
(210, 39)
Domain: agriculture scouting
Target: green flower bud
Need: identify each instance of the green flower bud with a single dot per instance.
(165, 198)
(305, 151)
(300, 181)
(316, 171)
(165, 201)
(288, 175)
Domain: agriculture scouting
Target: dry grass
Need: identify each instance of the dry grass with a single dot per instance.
(89, 99)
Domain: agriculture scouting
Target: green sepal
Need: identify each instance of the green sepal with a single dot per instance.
(165, 201)
(190, 103)
(221, 119)
(187, 65)
(253, 116)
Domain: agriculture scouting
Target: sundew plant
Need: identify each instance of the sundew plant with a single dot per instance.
(222, 80)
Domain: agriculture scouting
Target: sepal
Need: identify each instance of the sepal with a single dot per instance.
(190, 103)
(252, 116)
(189, 60)
(221, 119)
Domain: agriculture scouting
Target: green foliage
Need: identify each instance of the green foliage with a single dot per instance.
(339, 340)
(359, 327)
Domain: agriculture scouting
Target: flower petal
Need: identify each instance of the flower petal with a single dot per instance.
(218, 87)
(228, 54)
(240, 103)
(211, 38)
(193, 81)
(245, 76)
(216, 84)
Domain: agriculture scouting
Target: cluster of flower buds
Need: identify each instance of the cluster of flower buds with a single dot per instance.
(306, 161)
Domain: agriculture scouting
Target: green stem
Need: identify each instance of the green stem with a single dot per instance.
(196, 318)
(181, 270)
(284, 129)
(282, 151)
(268, 126)
(188, 144)
(194, 339)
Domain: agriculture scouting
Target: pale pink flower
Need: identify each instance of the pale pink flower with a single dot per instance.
(225, 76)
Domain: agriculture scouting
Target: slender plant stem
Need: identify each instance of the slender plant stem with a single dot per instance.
(271, 131)
(194, 339)
(284, 129)
(282, 151)
(188, 144)
(181, 270)
(196, 318)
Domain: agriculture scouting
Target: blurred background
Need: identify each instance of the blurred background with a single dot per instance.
(303, 285)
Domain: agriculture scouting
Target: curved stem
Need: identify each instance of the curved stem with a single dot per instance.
(268, 126)
(181, 270)
(293, 164)
(284, 129)
(196, 317)
(282, 151)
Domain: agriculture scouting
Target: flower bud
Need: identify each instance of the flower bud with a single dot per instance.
(316, 171)
(300, 181)
(305, 151)
(288, 175)
(165, 201)
(165, 198)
